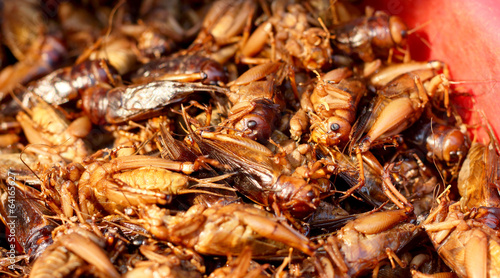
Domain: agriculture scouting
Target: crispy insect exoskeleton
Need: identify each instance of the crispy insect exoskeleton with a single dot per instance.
(46, 128)
(259, 177)
(362, 243)
(125, 181)
(242, 225)
(335, 100)
(68, 253)
(369, 36)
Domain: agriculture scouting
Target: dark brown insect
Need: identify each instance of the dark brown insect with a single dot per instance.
(25, 216)
(445, 145)
(347, 168)
(257, 103)
(258, 176)
(64, 84)
(104, 105)
(367, 37)
(184, 68)
(415, 180)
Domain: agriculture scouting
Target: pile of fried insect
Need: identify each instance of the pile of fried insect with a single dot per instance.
(234, 139)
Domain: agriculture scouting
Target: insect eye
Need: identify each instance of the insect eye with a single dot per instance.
(310, 194)
(334, 127)
(454, 155)
(252, 124)
(203, 75)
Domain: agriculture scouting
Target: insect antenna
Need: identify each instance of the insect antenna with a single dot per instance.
(209, 182)
(411, 31)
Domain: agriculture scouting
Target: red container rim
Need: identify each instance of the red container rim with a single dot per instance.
(465, 35)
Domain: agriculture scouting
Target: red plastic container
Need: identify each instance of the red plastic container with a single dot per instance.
(465, 35)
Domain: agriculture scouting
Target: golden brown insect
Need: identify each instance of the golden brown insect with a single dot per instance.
(478, 180)
(277, 165)
(224, 21)
(362, 243)
(242, 266)
(46, 128)
(287, 35)
(396, 107)
(465, 233)
(438, 88)
(386, 74)
(467, 242)
(220, 230)
(335, 100)
(174, 262)
(257, 103)
(369, 36)
(132, 181)
(70, 251)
